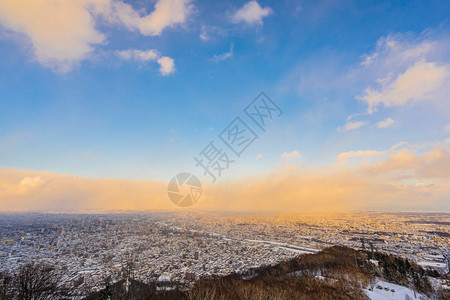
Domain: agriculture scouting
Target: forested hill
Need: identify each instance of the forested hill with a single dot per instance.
(333, 273)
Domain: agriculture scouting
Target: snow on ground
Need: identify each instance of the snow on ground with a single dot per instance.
(399, 293)
(439, 283)
(285, 245)
(296, 250)
(432, 264)
(439, 256)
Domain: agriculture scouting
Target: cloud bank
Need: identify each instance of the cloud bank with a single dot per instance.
(400, 178)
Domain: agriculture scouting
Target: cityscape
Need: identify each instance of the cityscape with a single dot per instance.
(182, 247)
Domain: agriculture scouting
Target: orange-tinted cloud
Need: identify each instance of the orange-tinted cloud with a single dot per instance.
(432, 164)
(45, 191)
(398, 178)
(314, 189)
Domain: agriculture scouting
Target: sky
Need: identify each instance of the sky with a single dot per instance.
(102, 102)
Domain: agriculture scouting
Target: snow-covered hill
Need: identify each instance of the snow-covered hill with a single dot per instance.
(384, 290)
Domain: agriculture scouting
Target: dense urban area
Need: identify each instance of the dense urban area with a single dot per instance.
(182, 247)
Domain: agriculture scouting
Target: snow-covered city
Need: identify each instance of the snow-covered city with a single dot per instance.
(182, 247)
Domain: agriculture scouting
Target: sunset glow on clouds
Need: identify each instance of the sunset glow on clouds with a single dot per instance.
(393, 178)
(103, 101)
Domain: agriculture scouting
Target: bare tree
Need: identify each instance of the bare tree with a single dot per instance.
(128, 273)
(129, 266)
(6, 286)
(36, 281)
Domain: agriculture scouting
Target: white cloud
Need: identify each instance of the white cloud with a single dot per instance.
(373, 153)
(396, 50)
(447, 127)
(223, 56)
(415, 84)
(385, 123)
(369, 59)
(251, 13)
(21, 185)
(209, 32)
(139, 55)
(204, 34)
(292, 154)
(353, 125)
(259, 156)
(32, 182)
(62, 33)
(360, 153)
(166, 65)
(166, 14)
(404, 70)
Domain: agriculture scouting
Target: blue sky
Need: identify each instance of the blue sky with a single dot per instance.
(131, 97)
